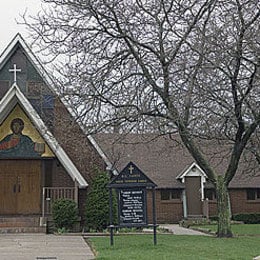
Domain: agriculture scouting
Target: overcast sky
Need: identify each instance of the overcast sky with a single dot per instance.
(9, 11)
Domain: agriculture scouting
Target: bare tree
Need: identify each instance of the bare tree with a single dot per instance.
(186, 66)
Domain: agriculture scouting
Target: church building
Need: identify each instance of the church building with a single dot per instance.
(45, 155)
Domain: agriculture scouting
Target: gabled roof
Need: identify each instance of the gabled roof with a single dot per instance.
(10, 49)
(131, 176)
(153, 155)
(164, 160)
(186, 171)
(15, 96)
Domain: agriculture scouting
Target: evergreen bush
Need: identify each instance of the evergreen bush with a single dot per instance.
(247, 218)
(64, 213)
(97, 204)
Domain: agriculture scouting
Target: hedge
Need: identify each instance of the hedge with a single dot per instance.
(65, 213)
(247, 218)
(97, 204)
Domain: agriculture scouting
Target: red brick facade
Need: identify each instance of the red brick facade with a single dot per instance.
(166, 211)
(77, 146)
(75, 143)
(172, 211)
(239, 203)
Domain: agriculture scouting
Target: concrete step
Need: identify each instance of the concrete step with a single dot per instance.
(12, 230)
(21, 224)
(19, 221)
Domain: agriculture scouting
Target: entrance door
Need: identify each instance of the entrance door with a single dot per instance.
(193, 195)
(20, 186)
(7, 189)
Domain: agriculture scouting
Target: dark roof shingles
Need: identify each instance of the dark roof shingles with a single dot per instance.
(163, 158)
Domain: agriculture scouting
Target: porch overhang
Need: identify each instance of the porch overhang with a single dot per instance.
(192, 170)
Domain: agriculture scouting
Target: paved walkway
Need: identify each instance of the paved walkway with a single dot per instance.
(177, 230)
(43, 247)
(54, 247)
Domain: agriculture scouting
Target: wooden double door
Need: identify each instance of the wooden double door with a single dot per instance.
(20, 186)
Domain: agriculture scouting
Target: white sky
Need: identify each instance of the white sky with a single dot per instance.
(11, 10)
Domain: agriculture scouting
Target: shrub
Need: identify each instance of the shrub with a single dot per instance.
(213, 218)
(247, 218)
(97, 204)
(64, 213)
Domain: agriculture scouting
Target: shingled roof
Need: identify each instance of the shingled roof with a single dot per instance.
(164, 158)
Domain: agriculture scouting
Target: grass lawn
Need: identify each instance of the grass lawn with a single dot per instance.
(237, 229)
(176, 247)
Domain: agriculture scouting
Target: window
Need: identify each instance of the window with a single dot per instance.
(253, 194)
(171, 194)
(210, 194)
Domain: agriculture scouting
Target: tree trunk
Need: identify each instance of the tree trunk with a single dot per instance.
(224, 210)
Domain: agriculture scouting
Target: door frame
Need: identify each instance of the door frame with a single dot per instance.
(192, 171)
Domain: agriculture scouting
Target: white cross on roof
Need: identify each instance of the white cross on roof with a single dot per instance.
(15, 70)
(131, 168)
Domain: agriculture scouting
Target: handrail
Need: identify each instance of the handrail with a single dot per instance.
(50, 194)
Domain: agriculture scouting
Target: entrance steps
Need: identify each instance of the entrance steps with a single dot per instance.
(21, 224)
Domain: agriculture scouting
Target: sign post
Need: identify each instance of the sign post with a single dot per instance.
(131, 185)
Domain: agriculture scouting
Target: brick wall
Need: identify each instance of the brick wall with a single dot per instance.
(239, 203)
(213, 208)
(60, 177)
(82, 203)
(166, 211)
(75, 143)
(77, 146)
(172, 211)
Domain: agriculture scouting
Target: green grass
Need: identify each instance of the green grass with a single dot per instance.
(176, 247)
(237, 229)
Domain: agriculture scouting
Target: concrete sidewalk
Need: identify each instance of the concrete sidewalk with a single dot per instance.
(41, 246)
(178, 230)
